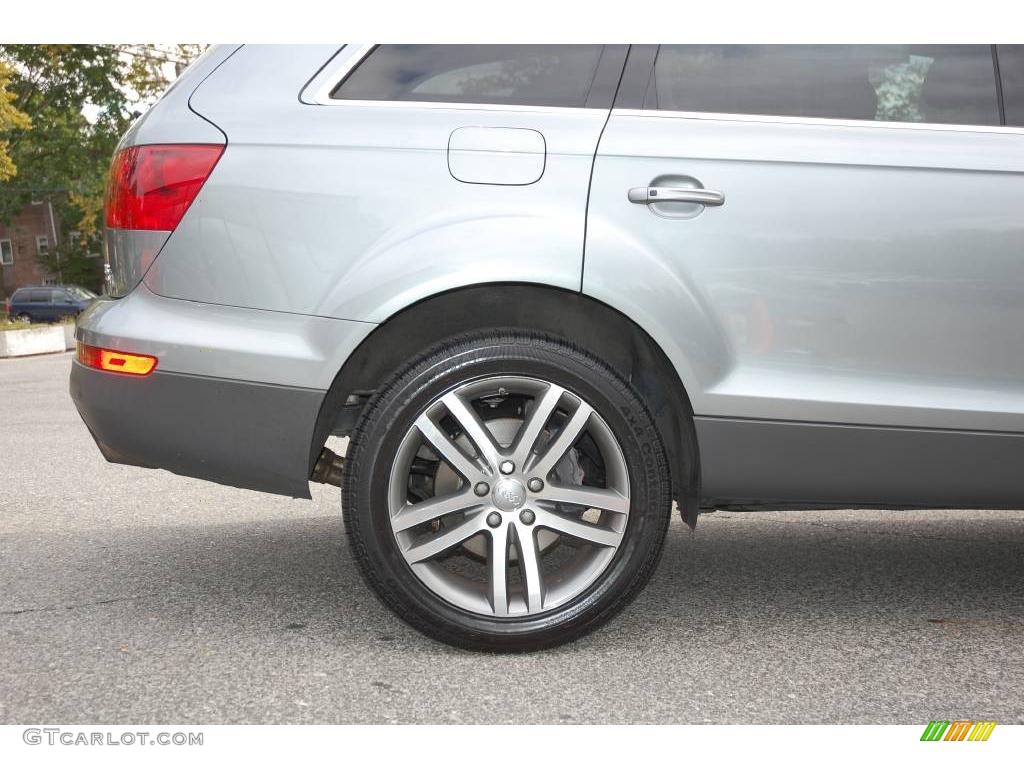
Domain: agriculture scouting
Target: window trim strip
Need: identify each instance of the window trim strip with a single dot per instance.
(816, 121)
(999, 85)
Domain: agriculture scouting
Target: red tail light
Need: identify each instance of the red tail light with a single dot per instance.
(152, 186)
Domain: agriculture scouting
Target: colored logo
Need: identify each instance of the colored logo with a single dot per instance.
(958, 730)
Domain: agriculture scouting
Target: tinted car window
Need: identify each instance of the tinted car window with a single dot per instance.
(1011, 68)
(903, 83)
(40, 296)
(541, 75)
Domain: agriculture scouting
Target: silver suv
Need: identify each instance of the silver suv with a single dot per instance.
(547, 291)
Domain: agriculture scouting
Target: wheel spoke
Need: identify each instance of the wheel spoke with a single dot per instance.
(474, 427)
(529, 568)
(563, 441)
(543, 407)
(497, 562)
(445, 540)
(585, 496)
(412, 515)
(446, 449)
(578, 529)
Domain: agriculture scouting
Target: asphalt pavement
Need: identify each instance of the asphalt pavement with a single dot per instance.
(136, 596)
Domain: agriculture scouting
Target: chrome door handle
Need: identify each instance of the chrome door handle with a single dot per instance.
(648, 195)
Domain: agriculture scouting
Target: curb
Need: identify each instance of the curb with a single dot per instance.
(37, 341)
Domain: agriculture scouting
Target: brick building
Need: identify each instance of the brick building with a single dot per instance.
(30, 235)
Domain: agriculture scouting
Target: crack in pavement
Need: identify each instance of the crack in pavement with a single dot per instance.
(75, 606)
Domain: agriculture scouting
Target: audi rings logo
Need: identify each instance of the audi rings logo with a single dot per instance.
(511, 496)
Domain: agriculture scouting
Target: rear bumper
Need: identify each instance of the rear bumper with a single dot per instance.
(232, 432)
(235, 394)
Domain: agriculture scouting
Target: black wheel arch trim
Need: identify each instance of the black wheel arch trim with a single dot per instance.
(590, 324)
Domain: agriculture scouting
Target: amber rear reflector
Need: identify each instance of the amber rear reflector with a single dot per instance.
(112, 360)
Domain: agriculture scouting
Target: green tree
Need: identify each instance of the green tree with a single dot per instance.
(11, 119)
(79, 100)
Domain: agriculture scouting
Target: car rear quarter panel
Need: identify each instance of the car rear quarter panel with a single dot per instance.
(350, 211)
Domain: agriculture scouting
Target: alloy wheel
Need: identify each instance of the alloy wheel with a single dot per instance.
(509, 496)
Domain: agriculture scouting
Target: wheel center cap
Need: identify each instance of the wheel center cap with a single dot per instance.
(509, 495)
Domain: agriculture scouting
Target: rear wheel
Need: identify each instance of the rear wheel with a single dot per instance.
(506, 492)
(24, 318)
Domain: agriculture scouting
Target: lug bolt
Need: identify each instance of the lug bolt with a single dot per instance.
(481, 489)
(494, 519)
(527, 517)
(535, 484)
(507, 467)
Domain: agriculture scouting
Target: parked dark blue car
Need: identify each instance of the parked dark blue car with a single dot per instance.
(44, 304)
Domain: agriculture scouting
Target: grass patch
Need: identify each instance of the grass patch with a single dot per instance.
(13, 325)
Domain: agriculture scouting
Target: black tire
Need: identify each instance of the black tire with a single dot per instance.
(24, 317)
(391, 412)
